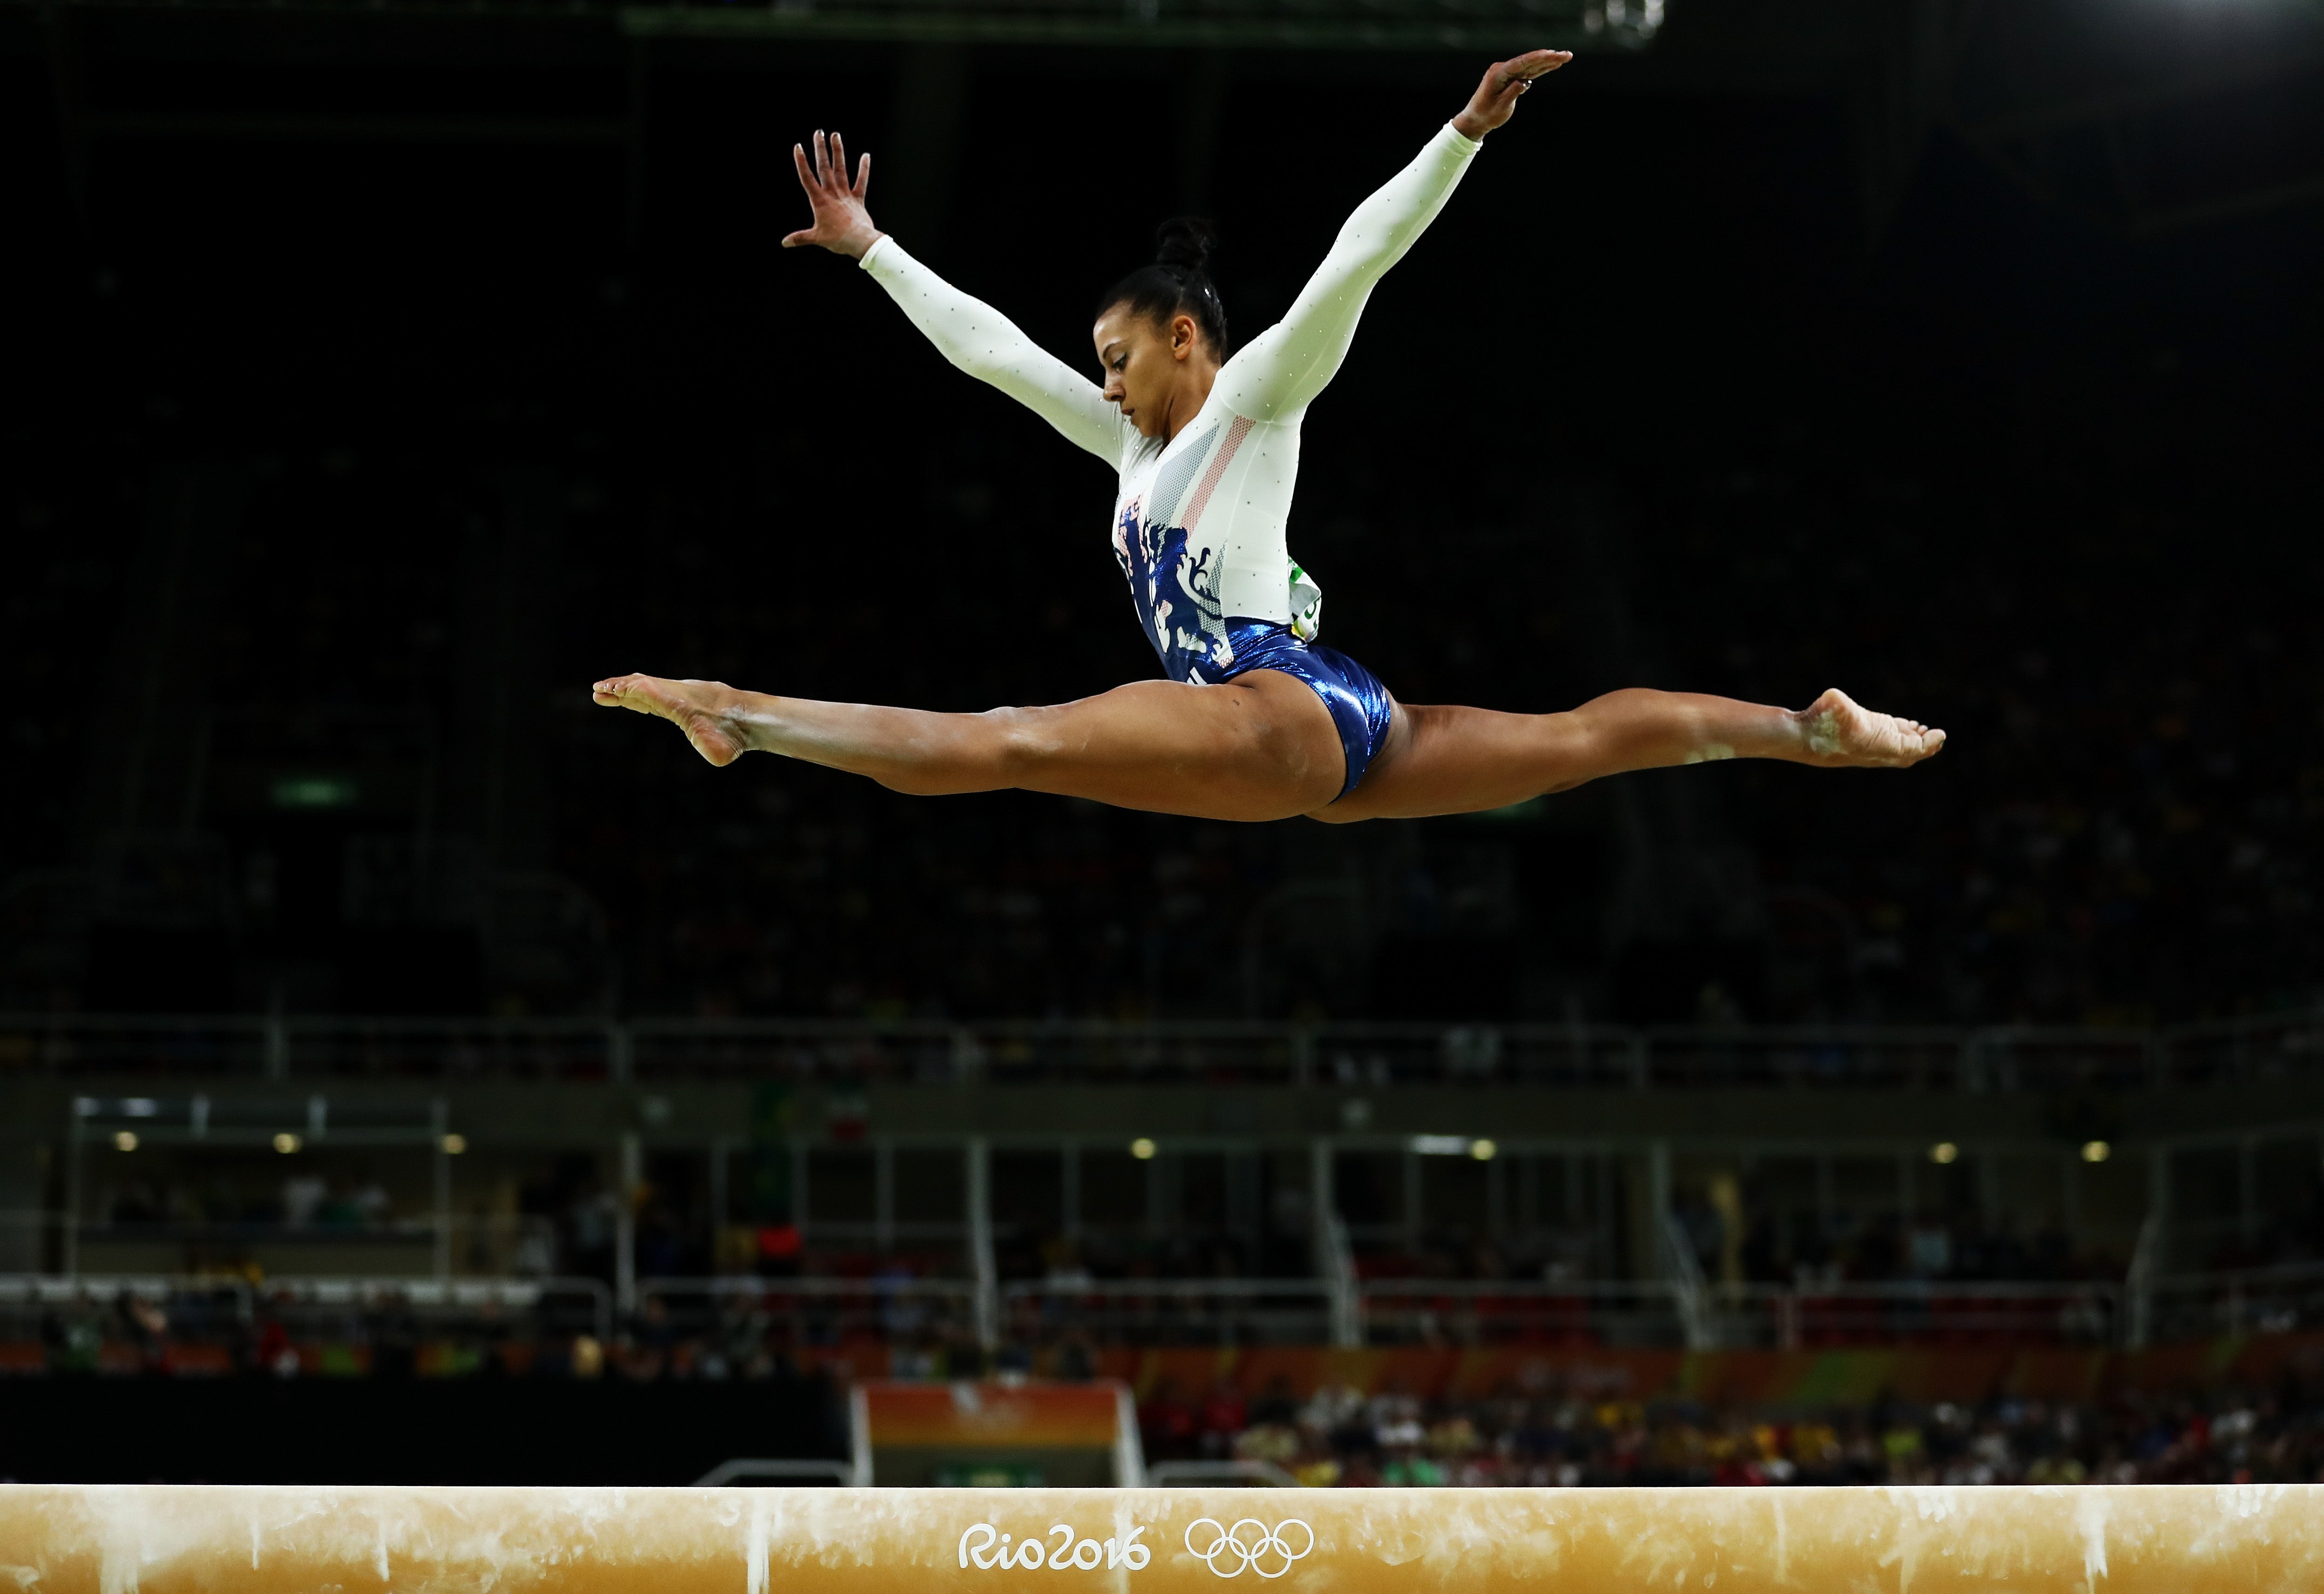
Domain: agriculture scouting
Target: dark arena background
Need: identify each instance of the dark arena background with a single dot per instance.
(411, 1073)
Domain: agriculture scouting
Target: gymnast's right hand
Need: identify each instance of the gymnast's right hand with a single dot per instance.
(1497, 97)
(841, 223)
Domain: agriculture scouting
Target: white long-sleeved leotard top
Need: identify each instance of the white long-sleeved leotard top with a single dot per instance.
(1199, 520)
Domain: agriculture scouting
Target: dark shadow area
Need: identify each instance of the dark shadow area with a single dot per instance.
(471, 1433)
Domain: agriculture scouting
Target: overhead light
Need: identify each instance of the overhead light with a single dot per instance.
(455, 1144)
(1482, 1150)
(1944, 1151)
(2096, 1151)
(1440, 1144)
(125, 1141)
(1141, 1148)
(287, 1143)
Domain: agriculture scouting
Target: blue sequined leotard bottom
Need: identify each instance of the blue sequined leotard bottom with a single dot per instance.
(1360, 704)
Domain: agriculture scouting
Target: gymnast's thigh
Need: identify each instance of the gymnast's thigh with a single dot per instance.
(1262, 746)
(1451, 759)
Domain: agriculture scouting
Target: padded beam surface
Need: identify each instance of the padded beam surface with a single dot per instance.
(166, 1539)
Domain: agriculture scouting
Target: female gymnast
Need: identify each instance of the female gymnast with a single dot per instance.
(1256, 721)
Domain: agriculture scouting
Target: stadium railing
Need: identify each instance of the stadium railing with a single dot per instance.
(209, 1308)
(2241, 1301)
(2006, 1059)
(816, 1310)
(100, 1316)
(1379, 24)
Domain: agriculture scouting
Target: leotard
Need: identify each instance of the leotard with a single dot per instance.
(1199, 519)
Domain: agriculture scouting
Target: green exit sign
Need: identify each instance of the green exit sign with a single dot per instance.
(315, 791)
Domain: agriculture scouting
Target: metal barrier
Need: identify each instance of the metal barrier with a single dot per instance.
(1247, 1312)
(1394, 24)
(1730, 1316)
(903, 1312)
(203, 1310)
(1176, 1310)
(1572, 1055)
(817, 1310)
(558, 1304)
(1607, 1312)
(443, 1247)
(2241, 1300)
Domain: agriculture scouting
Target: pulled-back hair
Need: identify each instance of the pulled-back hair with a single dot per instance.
(1175, 284)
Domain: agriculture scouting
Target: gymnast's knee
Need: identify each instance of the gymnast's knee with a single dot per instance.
(973, 752)
(1009, 746)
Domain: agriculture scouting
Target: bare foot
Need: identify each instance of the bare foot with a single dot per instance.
(703, 710)
(1842, 735)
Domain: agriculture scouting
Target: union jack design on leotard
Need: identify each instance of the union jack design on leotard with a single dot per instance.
(1200, 519)
(1174, 576)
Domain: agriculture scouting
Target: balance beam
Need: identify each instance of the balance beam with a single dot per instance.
(165, 1539)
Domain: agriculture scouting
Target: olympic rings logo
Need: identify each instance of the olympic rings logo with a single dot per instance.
(1229, 1544)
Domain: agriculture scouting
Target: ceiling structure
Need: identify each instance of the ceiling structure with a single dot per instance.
(2139, 116)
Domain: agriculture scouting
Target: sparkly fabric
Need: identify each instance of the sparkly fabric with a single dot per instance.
(1360, 704)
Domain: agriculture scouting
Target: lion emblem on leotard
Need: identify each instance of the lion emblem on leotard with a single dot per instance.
(1175, 589)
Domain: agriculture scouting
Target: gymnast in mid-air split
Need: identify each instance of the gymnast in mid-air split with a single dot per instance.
(1257, 721)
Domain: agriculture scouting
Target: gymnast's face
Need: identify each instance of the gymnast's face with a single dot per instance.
(1158, 371)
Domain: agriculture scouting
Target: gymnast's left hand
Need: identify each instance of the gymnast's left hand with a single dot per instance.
(839, 221)
(1496, 99)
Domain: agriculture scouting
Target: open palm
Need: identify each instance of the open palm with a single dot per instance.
(840, 222)
(1504, 83)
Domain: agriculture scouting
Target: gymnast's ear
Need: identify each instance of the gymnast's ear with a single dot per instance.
(1185, 336)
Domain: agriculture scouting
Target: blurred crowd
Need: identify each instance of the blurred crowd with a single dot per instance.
(304, 1201)
(1333, 1437)
(1340, 1437)
(2072, 533)
(2122, 830)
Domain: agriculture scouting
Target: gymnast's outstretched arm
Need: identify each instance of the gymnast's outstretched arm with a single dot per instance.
(967, 331)
(1281, 371)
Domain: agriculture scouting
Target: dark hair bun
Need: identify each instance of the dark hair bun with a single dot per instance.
(1176, 283)
(1186, 241)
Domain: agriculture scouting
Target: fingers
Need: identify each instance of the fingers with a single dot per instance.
(839, 168)
(828, 173)
(824, 177)
(1536, 63)
(1505, 82)
(1513, 77)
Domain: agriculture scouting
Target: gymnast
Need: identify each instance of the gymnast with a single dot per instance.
(1257, 721)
